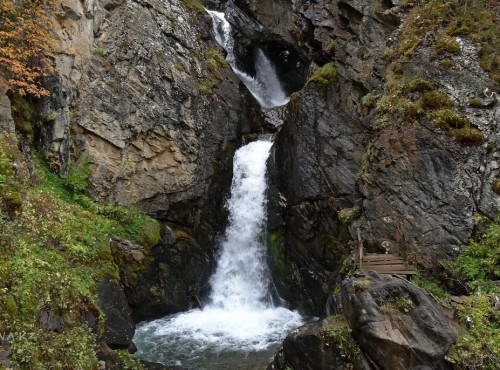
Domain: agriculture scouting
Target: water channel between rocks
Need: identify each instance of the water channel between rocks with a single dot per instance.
(240, 327)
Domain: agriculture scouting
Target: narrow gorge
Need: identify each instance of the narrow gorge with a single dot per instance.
(192, 184)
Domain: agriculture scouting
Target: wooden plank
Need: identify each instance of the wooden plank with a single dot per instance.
(379, 256)
(385, 267)
(396, 260)
(389, 272)
(385, 270)
(384, 262)
(389, 265)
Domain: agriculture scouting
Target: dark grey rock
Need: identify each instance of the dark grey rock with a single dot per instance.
(6, 121)
(171, 277)
(307, 348)
(396, 323)
(119, 328)
(51, 322)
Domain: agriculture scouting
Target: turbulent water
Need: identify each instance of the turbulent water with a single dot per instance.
(240, 327)
(265, 85)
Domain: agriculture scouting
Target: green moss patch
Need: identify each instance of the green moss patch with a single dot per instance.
(215, 61)
(194, 5)
(323, 76)
(348, 215)
(275, 240)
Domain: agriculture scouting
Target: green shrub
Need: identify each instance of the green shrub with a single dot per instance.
(339, 334)
(78, 176)
(207, 84)
(11, 197)
(387, 54)
(23, 114)
(495, 186)
(51, 117)
(476, 103)
(478, 345)
(430, 286)
(128, 361)
(404, 303)
(98, 51)
(446, 63)
(194, 5)
(435, 99)
(408, 46)
(215, 61)
(420, 85)
(323, 76)
(369, 100)
(446, 118)
(479, 262)
(447, 45)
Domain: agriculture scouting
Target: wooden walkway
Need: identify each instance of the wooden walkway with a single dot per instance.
(385, 264)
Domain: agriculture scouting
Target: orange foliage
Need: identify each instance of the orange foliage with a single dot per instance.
(25, 41)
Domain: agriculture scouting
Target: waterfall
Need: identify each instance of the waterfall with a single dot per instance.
(239, 318)
(239, 327)
(265, 85)
(241, 278)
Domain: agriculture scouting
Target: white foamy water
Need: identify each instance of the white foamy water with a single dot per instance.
(240, 319)
(265, 86)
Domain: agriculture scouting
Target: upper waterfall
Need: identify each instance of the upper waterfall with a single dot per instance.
(265, 85)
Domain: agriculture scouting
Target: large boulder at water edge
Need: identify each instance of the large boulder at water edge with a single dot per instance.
(167, 278)
(396, 324)
(119, 328)
(387, 324)
(321, 345)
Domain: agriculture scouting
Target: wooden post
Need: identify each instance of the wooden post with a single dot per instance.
(360, 250)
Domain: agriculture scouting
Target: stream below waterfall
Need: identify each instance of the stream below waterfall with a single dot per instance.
(240, 327)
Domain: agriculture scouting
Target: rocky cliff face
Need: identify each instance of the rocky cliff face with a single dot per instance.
(137, 96)
(417, 187)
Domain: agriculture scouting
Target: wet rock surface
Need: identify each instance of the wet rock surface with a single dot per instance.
(317, 155)
(309, 348)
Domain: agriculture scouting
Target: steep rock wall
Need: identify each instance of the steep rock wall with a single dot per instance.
(135, 94)
(418, 188)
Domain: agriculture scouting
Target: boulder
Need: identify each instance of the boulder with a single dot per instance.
(119, 328)
(395, 323)
(312, 347)
(170, 277)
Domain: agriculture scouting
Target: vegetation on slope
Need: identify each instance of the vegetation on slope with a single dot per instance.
(478, 268)
(54, 248)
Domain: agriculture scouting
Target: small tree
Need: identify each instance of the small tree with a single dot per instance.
(25, 41)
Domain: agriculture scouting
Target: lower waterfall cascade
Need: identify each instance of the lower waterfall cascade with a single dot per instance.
(239, 327)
